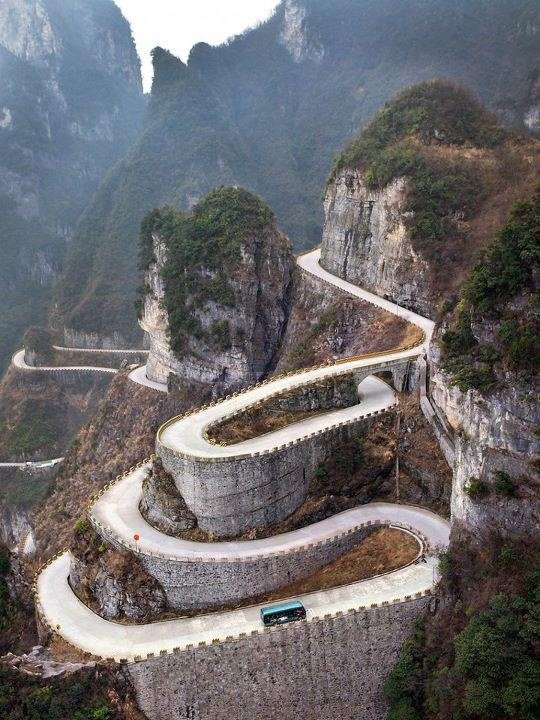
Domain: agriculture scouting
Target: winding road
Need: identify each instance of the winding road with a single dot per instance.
(20, 363)
(117, 509)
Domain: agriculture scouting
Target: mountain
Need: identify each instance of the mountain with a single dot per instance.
(270, 109)
(71, 103)
(436, 206)
(412, 201)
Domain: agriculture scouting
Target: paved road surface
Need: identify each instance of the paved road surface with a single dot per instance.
(33, 463)
(118, 510)
(186, 435)
(81, 627)
(20, 363)
(125, 351)
(139, 376)
(310, 263)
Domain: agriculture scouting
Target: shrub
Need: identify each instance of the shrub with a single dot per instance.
(40, 341)
(506, 270)
(492, 672)
(469, 377)
(81, 526)
(476, 488)
(508, 266)
(504, 484)
(220, 333)
(7, 610)
(445, 563)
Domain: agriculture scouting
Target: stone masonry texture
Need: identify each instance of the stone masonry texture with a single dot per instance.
(190, 585)
(231, 496)
(319, 670)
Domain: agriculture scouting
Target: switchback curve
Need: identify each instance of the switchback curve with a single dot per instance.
(67, 615)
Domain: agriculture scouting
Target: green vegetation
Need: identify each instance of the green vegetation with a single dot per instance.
(435, 111)
(506, 271)
(23, 489)
(81, 526)
(504, 484)
(203, 248)
(220, 333)
(492, 670)
(247, 114)
(477, 488)
(36, 427)
(40, 341)
(398, 142)
(69, 698)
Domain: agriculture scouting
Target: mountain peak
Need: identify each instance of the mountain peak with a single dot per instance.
(168, 69)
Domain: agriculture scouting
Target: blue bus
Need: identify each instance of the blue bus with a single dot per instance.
(282, 613)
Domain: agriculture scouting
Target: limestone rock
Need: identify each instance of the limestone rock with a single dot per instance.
(492, 432)
(365, 241)
(115, 585)
(256, 320)
(161, 503)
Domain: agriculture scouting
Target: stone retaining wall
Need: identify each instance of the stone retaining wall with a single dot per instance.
(231, 495)
(206, 582)
(322, 669)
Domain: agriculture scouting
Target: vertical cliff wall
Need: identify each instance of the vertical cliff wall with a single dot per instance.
(70, 105)
(365, 241)
(219, 317)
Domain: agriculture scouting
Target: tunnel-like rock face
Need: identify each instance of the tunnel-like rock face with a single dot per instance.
(217, 319)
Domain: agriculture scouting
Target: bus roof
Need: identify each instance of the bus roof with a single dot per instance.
(291, 605)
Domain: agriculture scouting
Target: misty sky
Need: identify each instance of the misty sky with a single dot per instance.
(177, 25)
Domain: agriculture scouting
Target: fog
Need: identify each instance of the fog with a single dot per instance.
(177, 25)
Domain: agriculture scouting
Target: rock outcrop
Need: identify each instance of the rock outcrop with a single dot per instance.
(161, 503)
(493, 433)
(113, 583)
(365, 241)
(234, 338)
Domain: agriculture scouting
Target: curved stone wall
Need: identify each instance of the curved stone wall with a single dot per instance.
(213, 582)
(232, 495)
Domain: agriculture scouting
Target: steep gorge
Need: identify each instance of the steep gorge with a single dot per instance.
(70, 105)
(269, 110)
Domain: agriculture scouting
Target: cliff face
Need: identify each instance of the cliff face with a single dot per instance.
(373, 236)
(413, 201)
(366, 242)
(492, 433)
(250, 113)
(233, 312)
(256, 321)
(70, 105)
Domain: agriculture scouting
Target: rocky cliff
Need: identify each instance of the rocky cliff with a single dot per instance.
(493, 434)
(270, 109)
(365, 240)
(394, 212)
(70, 105)
(414, 199)
(223, 325)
